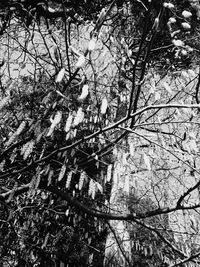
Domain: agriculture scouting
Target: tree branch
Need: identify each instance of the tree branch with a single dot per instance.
(86, 138)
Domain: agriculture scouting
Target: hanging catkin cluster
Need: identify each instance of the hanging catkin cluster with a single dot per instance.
(68, 123)
(54, 122)
(79, 117)
(62, 172)
(27, 149)
(83, 177)
(92, 188)
(68, 181)
(14, 136)
(4, 101)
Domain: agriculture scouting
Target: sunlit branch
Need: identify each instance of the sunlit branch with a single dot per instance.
(84, 139)
(164, 148)
(188, 259)
(167, 242)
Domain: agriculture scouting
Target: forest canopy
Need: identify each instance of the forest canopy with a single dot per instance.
(99, 133)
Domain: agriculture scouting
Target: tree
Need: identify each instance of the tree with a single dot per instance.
(99, 133)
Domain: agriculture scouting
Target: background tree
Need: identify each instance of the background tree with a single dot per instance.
(99, 133)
